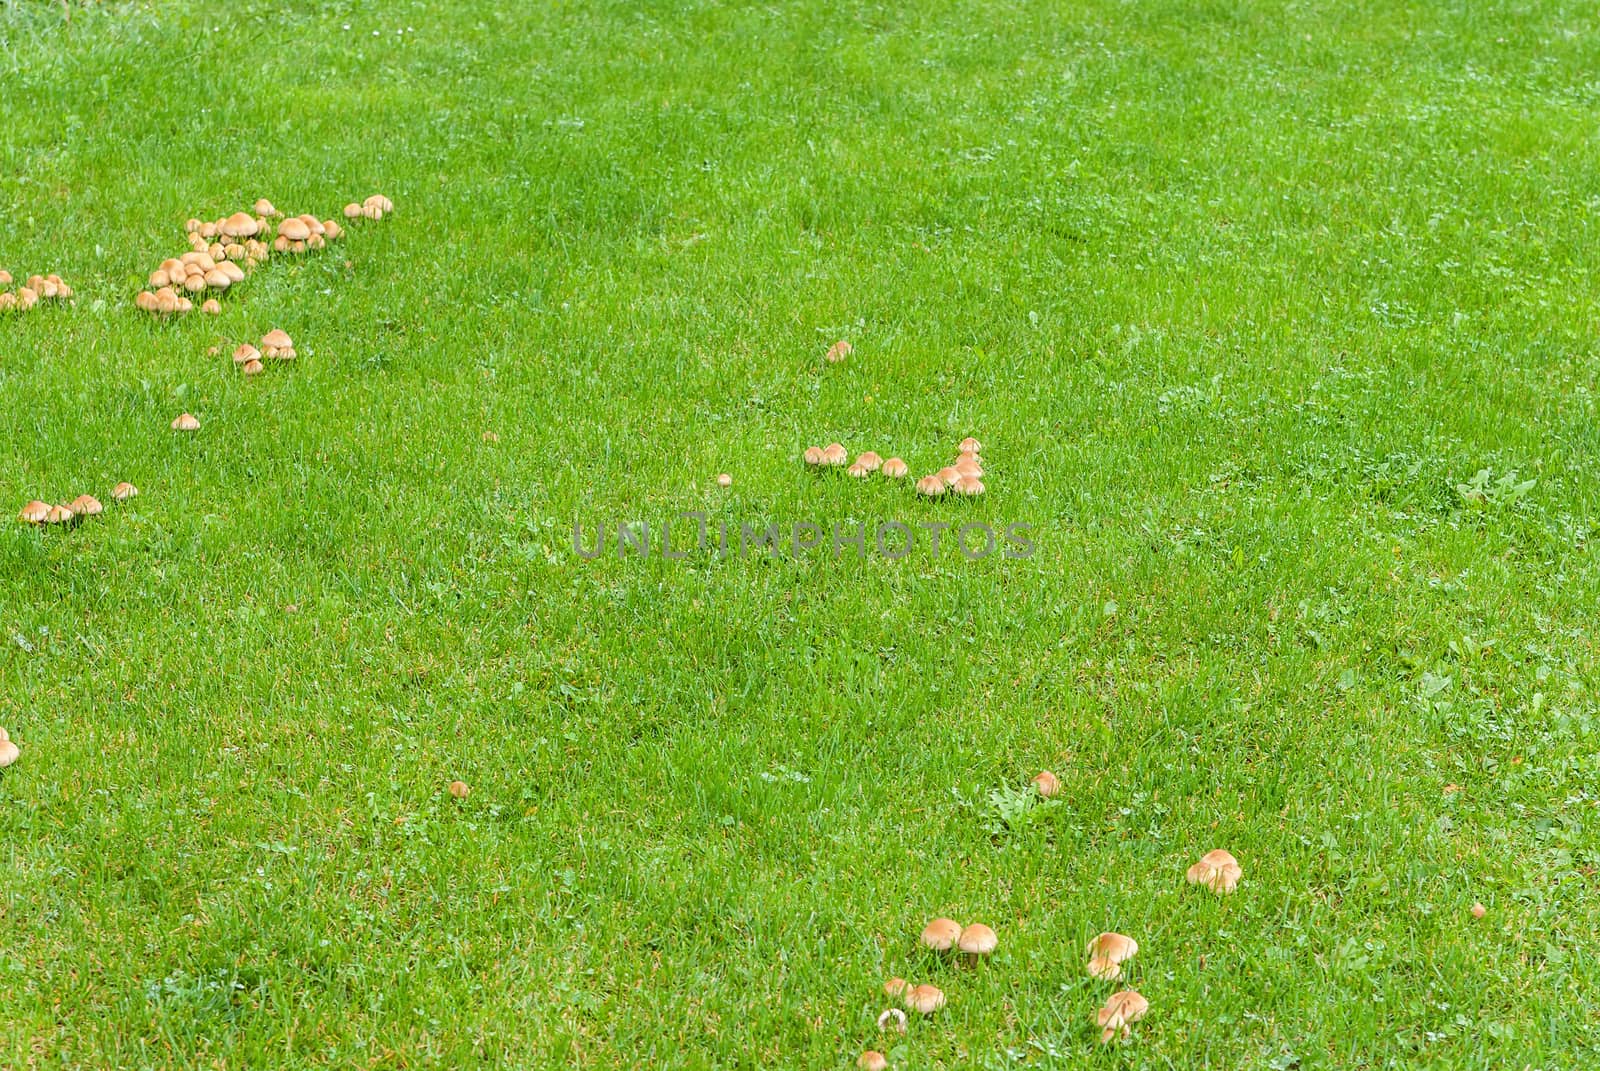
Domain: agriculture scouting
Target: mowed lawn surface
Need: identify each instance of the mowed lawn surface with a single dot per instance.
(1241, 298)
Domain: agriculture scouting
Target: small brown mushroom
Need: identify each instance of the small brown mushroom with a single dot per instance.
(5, 278)
(459, 789)
(941, 934)
(930, 486)
(1048, 784)
(924, 999)
(331, 230)
(839, 351)
(9, 753)
(894, 468)
(834, 455)
(294, 229)
(1108, 952)
(967, 485)
(892, 1019)
(969, 445)
(872, 1060)
(1217, 870)
(724, 480)
(185, 422)
(252, 368)
(966, 466)
(86, 506)
(870, 461)
(263, 207)
(241, 225)
(217, 279)
(813, 456)
(246, 353)
(352, 211)
(1478, 911)
(380, 202)
(211, 307)
(977, 940)
(276, 339)
(34, 512)
(59, 515)
(895, 987)
(1121, 1009)
(124, 491)
(858, 470)
(949, 475)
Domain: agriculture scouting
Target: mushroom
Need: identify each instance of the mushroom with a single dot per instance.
(34, 512)
(858, 470)
(331, 229)
(977, 940)
(1048, 784)
(242, 225)
(5, 277)
(872, 1060)
(967, 466)
(276, 339)
(839, 351)
(941, 934)
(185, 422)
(195, 283)
(895, 987)
(1478, 911)
(894, 468)
(1218, 871)
(967, 485)
(352, 211)
(459, 789)
(949, 475)
(86, 506)
(724, 480)
(252, 368)
(246, 353)
(892, 1019)
(372, 212)
(217, 279)
(1108, 952)
(1121, 1009)
(380, 202)
(8, 301)
(211, 307)
(870, 461)
(294, 229)
(27, 297)
(924, 999)
(834, 454)
(232, 271)
(813, 455)
(263, 207)
(124, 491)
(9, 753)
(969, 445)
(59, 515)
(931, 486)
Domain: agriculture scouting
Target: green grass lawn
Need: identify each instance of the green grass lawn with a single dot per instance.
(1266, 315)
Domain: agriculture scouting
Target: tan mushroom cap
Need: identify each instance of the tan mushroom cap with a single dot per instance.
(352, 211)
(892, 1019)
(1217, 870)
(978, 940)
(858, 470)
(895, 987)
(924, 999)
(1108, 952)
(185, 422)
(217, 279)
(969, 445)
(276, 339)
(967, 485)
(263, 207)
(9, 753)
(834, 454)
(839, 351)
(124, 491)
(252, 368)
(941, 934)
(5, 278)
(872, 1060)
(870, 461)
(724, 480)
(27, 297)
(459, 789)
(949, 475)
(58, 515)
(967, 466)
(240, 225)
(331, 229)
(1048, 784)
(211, 307)
(894, 468)
(1121, 1009)
(231, 270)
(931, 486)
(8, 301)
(246, 353)
(34, 512)
(294, 229)
(813, 455)
(380, 202)
(1478, 910)
(86, 506)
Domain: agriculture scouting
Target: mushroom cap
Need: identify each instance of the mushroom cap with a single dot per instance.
(858, 470)
(870, 461)
(352, 211)
(966, 466)
(969, 445)
(285, 354)
(246, 353)
(185, 422)
(931, 486)
(1048, 784)
(124, 491)
(892, 1019)
(1107, 952)
(839, 351)
(372, 212)
(459, 789)
(331, 229)
(967, 485)
(380, 202)
(1217, 870)
(834, 454)
(9, 753)
(894, 468)
(978, 940)
(5, 277)
(231, 270)
(872, 1060)
(895, 986)
(34, 512)
(294, 229)
(1478, 911)
(941, 934)
(58, 515)
(925, 999)
(949, 475)
(1121, 1008)
(724, 480)
(8, 300)
(277, 339)
(813, 455)
(218, 279)
(252, 368)
(86, 506)
(212, 307)
(241, 225)
(263, 207)
(27, 297)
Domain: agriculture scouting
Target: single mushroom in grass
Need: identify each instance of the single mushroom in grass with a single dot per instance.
(892, 1019)
(246, 353)
(263, 207)
(977, 941)
(813, 456)
(1217, 870)
(941, 934)
(59, 515)
(459, 789)
(724, 480)
(1479, 911)
(1121, 1009)
(930, 486)
(34, 512)
(895, 469)
(834, 455)
(86, 506)
(949, 475)
(124, 491)
(872, 1060)
(1108, 952)
(969, 445)
(1048, 784)
(924, 999)
(211, 307)
(870, 461)
(895, 987)
(352, 211)
(185, 422)
(839, 351)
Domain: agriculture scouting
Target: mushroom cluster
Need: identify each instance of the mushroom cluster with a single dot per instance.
(374, 208)
(941, 935)
(963, 476)
(73, 513)
(37, 288)
(222, 251)
(276, 345)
